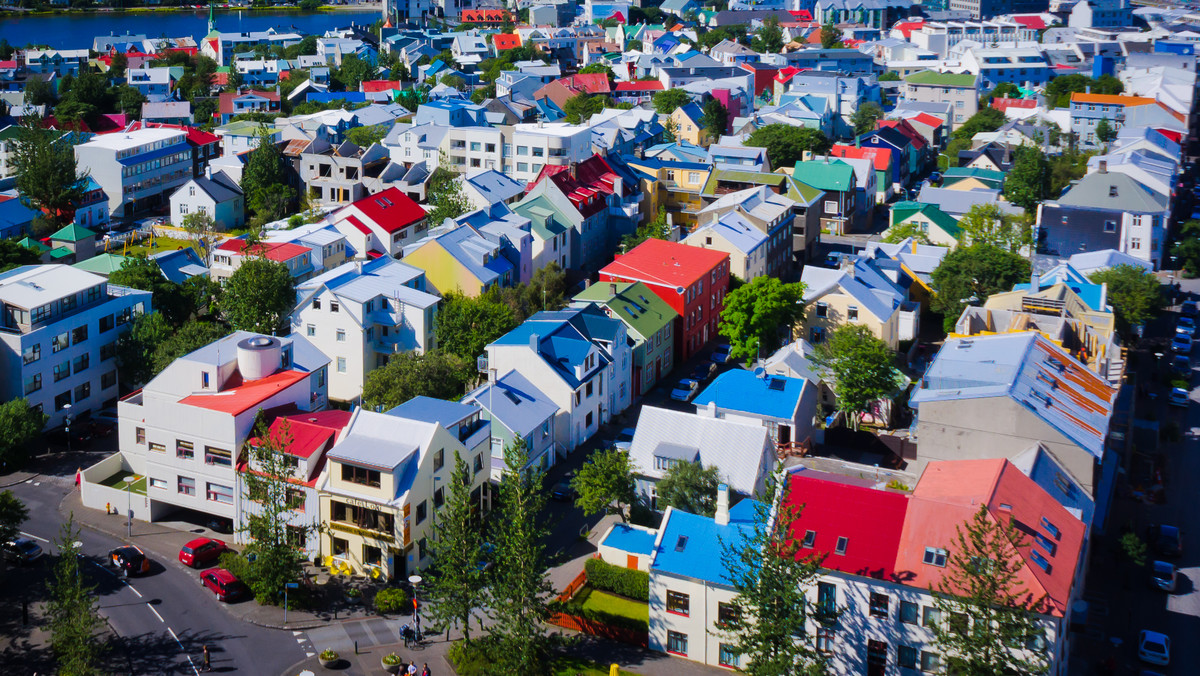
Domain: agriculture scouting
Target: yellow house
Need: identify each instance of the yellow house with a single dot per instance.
(834, 298)
(672, 185)
(458, 258)
(689, 125)
(386, 479)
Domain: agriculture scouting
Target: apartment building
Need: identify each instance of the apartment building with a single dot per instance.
(940, 36)
(346, 173)
(185, 430)
(360, 313)
(536, 145)
(987, 9)
(959, 90)
(138, 170)
(57, 61)
(59, 330)
(388, 476)
(222, 46)
(1088, 109)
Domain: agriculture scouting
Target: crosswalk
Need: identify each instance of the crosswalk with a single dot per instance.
(342, 637)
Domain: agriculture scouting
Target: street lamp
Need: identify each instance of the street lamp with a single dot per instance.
(67, 425)
(415, 581)
(128, 505)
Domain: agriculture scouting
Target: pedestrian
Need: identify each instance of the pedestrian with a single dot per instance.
(412, 668)
(78, 474)
(425, 670)
(108, 508)
(207, 660)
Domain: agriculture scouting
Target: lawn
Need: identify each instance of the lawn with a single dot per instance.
(572, 666)
(599, 601)
(160, 244)
(118, 481)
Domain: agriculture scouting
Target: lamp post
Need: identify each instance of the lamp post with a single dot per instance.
(415, 581)
(128, 504)
(67, 425)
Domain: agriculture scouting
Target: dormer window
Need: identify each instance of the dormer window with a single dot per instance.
(1112, 191)
(842, 543)
(204, 380)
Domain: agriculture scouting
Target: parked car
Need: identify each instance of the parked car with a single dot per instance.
(1164, 575)
(685, 390)
(720, 355)
(223, 584)
(1188, 308)
(1181, 365)
(563, 490)
(1165, 540)
(202, 552)
(1181, 344)
(624, 439)
(703, 371)
(22, 550)
(1186, 326)
(130, 560)
(80, 433)
(1178, 397)
(1154, 648)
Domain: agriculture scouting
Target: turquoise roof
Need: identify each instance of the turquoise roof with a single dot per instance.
(833, 175)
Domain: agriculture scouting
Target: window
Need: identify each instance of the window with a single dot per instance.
(677, 643)
(108, 351)
(826, 597)
(931, 617)
(439, 498)
(219, 493)
(333, 306)
(421, 549)
(1112, 191)
(310, 330)
(522, 150)
(158, 483)
(879, 605)
(79, 334)
(1135, 242)
(61, 342)
(82, 362)
(935, 557)
(140, 435)
(478, 465)
(908, 612)
(341, 364)
(187, 485)
(831, 207)
(852, 313)
(62, 400)
(877, 652)
(362, 517)
(728, 656)
(810, 537)
(41, 314)
(33, 383)
(678, 603)
(524, 167)
(825, 640)
(316, 304)
(32, 353)
(842, 543)
(930, 661)
(341, 335)
(341, 546)
(217, 456)
(421, 512)
(906, 656)
(1110, 226)
(372, 555)
(727, 614)
(360, 475)
(83, 392)
(439, 459)
(62, 370)
(960, 623)
(1039, 560)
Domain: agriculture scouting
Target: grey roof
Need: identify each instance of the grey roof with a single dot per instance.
(741, 452)
(429, 409)
(494, 185)
(360, 282)
(869, 287)
(219, 187)
(514, 402)
(959, 202)
(381, 441)
(31, 286)
(1113, 191)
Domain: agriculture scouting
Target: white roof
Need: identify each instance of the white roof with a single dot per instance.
(738, 450)
(32, 286)
(380, 440)
(132, 139)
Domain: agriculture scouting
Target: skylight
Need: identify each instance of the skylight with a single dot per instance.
(681, 543)
(842, 543)
(776, 384)
(1039, 560)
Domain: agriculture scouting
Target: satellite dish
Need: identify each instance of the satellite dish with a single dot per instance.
(679, 290)
(759, 372)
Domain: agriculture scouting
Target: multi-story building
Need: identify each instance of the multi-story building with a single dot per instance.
(987, 9)
(59, 330)
(345, 173)
(1088, 109)
(231, 253)
(156, 84)
(217, 195)
(940, 36)
(537, 145)
(361, 313)
(222, 46)
(961, 90)
(517, 410)
(60, 62)
(387, 478)
(138, 170)
(650, 322)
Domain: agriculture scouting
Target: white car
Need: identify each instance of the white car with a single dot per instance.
(624, 439)
(1154, 648)
(1178, 397)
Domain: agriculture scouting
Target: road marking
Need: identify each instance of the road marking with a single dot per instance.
(30, 535)
(160, 619)
(175, 637)
(134, 590)
(192, 664)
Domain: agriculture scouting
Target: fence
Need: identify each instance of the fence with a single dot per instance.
(592, 627)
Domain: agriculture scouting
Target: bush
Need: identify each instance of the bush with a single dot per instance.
(391, 600)
(627, 582)
(392, 658)
(236, 564)
(474, 659)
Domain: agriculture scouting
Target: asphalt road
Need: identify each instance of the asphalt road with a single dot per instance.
(163, 619)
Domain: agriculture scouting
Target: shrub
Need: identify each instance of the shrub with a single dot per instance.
(391, 600)
(236, 564)
(329, 654)
(474, 659)
(627, 582)
(392, 658)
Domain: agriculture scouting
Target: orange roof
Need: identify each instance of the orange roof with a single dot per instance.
(244, 396)
(503, 41)
(1110, 99)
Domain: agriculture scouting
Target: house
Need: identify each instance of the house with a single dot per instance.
(552, 235)
(938, 227)
(361, 313)
(180, 265)
(670, 185)
(485, 187)
(228, 256)
(517, 410)
(230, 104)
(336, 175)
(989, 156)
(837, 179)
(328, 246)
(907, 160)
(742, 451)
(784, 406)
(881, 160)
(382, 223)
(688, 122)
(460, 259)
(960, 90)
(386, 479)
(875, 14)
(75, 318)
(650, 324)
(168, 112)
(242, 136)
(1088, 109)
(972, 178)
(858, 292)
(157, 84)
(217, 195)
(748, 246)
(81, 242)
(691, 280)
(137, 170)
(580, 358)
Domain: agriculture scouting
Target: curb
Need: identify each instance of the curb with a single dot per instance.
(21, 481)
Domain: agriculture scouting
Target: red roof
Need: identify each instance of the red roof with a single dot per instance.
(485, 16)
(369, 86)
(906, 28)
(242, 397)
(905, 128)
(587, 186)
(225, 99)
(786, 74)
(1171, 134)
(591, 83)
(640, 86)
(353, 220)
(662, 263)
(505, 41)
(391, 210)
(835, 507)
(801, 14)
(619, 16)
(881, 158)
(272, 251)
(12, 63)
(1031, 21)
(310, 431)
(1001, 103)
(195, 136)
(927, 119)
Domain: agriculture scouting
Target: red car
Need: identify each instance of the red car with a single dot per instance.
(222, 583)
(201, 552)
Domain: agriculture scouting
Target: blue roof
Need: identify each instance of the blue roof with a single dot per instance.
(630, 539)
(514, 402)
(1064, 273)
(563, 340)
(691, 545)
(740, 390)
(179, 265)
(693, 111)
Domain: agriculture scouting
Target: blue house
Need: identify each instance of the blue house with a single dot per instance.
(451, 113)
(785, 406)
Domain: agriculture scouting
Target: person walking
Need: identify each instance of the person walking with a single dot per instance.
(425, 670)
(412, 668)
(206, 660)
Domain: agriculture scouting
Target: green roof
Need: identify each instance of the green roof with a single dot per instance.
(242, 128)
(740, 176)
(932, 77)
(72, 233)
(992, 178)
(102, 264)
(635, 304)
(801, 192)
(902, 211)
(835, 175)
(61, 252)
(31, 243)
(10, 132)
(543, 216)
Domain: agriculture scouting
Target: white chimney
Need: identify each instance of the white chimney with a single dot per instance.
(722, 516)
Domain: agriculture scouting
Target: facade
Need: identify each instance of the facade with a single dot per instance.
(382, 223)
(517, 410)
(1088, 109)
(344, 173)
(137, 170)
(231, 253)
(216, 195)
(60, 330)
(459, 258)
(959, 90)
(651, 325)
(856, 293)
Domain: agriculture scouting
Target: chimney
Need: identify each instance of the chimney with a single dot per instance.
(721, 518)
(1103, 166)
(534, 340)
(571, 169)
(612, 289)
(1035, 282)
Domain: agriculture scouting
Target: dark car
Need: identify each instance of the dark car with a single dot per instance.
(1165, 540)
(22, 550)
(703, 371)
(1188, 309)
(80, 433)
(720, 355)
(1181, 365)
(223, 584)
(130, 560)
(563, 490)
(1164, 576)
(201, 552)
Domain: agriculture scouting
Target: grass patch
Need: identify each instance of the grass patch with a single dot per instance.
(118, 481)
(603, 602)
(571, 666)
(144, 247)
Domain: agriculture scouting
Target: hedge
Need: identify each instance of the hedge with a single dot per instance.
(627, 582)
(391, 600)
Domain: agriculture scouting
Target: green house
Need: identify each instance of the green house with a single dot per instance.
(649, 321)
(79, 240)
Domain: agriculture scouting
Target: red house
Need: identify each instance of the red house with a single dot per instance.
(693, 281)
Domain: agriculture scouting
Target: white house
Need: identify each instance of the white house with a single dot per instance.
(383, 223)
(217, 195)
(517, 410)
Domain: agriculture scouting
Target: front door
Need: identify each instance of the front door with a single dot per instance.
(785, 435)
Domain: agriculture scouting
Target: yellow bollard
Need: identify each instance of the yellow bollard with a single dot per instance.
(614, 670)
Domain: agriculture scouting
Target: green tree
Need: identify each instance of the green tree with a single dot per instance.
(599, 67)
(988, 224)
(666, 101)
(1135, 294)
(129, 101)
(117, 67)
(656, 228)
(13, 513)
(670, 131)
(768, 39)
(605, 479)
(786, 144)
(47, 178)
(309, 5)
(203, 229)
(466, 325)
(1027, 182)
(259, 296)
(14, 255)
(271, 555)
(457, 584)
(865, 117)
(862, 369)
(1187, 248)
(989, 618)
(1069, 166)
(143, 274)
(1004, 90)
(759, 315)
(1104, 132)
(136, 348)
(20, 425)
(39, 93)
(6, 50)
(889, 76)
(715, 119)
(437, 374)
(830, 36)
(769, 575)
(970, 274)
(365, 137)
(581, 107)
(689, 486)
(188, 338)
(988, 119)
(519, 590)
(902, 231)
(264, 180)
(74, 619)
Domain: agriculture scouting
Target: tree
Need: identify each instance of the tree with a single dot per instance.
(715, 119)
(599, 67)
(268, 506)
(14, 255)
(1135, 294)
(259, 296)
(143, 274)
(786, 144)
(457, 582)
(136, 348)
(465, 325)
(203, 229)
(47, 178)
(13, 513)
(668, 100)
(1104, 131)
(1187, 248)
(20, 424)
(581, 107)
(365, 137)
(670, 131)
(437, 374)
(691, 487)
(889, 76)
(830, 36)
(1028, 181)
(519, 592)
(1004, 90)
(6, 50)
(656, 228)
(264, 180)
(116, 68)
(769, 575)
(865, 117)
(188, 338)
(988, 224)
(758, 316)
(74, 618)
(606, 478)
(969, 274)
(769, 38)
(309, 5)
(446, 197)
(988, 119)
(902, 231)
(39, 93)
(988, 615)
(862, 370)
